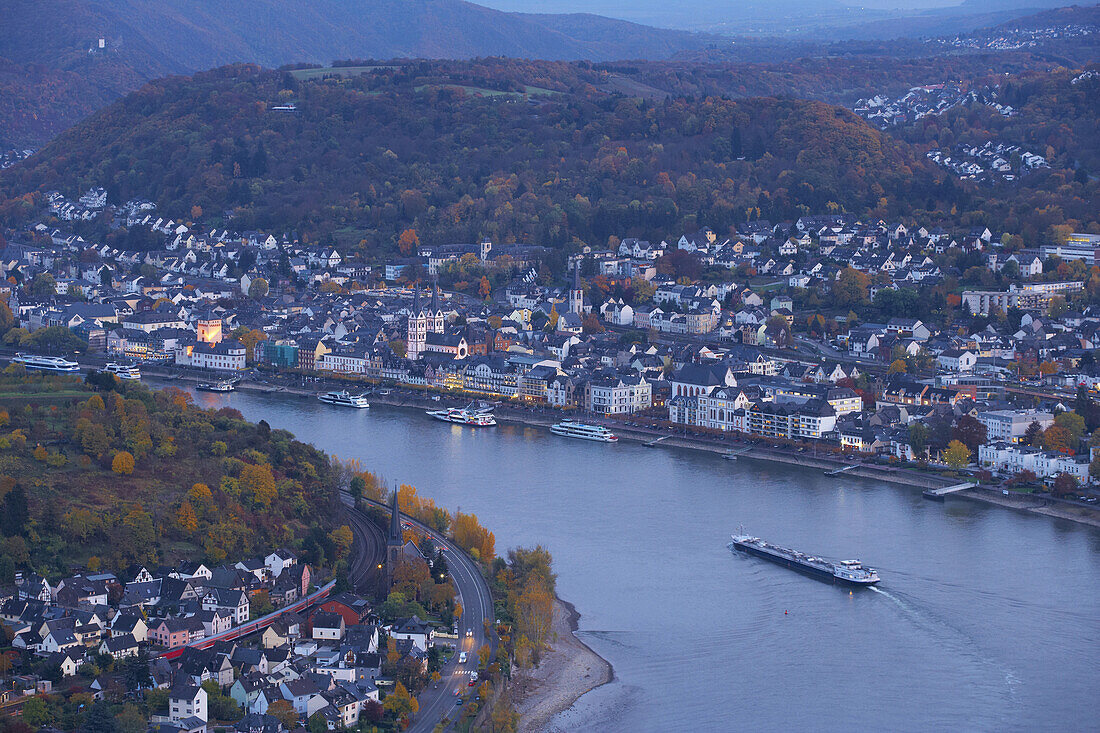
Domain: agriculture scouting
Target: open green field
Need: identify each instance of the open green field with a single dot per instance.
(482, 91)
(340, 71)
(58, 396)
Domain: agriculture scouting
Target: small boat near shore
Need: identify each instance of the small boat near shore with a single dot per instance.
(573, 429)
(475, 417)
(344, 399)
(123, 371)
(849, 572)
(225, 385)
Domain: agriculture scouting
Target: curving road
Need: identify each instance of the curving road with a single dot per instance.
(438, 701)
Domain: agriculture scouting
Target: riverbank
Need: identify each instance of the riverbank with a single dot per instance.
(1033, 505)
(544, 417)
(566, 672)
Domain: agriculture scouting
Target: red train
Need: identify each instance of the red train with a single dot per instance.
(255, 625)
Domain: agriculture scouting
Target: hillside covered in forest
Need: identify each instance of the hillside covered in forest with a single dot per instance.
(1055, 114)
(62, 59)
(517, 151)
(110, 473)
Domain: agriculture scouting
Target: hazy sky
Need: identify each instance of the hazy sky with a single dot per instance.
(769, 17)
(624, 8)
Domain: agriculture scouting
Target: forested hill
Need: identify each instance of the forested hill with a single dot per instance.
(105, 474)
(515, 151)
(53, 72)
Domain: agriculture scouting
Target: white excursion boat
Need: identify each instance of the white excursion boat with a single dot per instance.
(123, 371)
(344, 399)
(572, 429)
(222, 386)
(45, 363)
(477, 417)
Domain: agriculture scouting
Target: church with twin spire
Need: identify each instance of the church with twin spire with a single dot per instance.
(423, 321)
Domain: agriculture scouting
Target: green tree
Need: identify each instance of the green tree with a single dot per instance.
(43, 285)
(130, 720)
(1034, 434)
(36, 713)
(99, 719)
(55, 340)
(13, 518)
(357, 486)
(956, 455)
(257, 288)
(317, 723)
(918, 438)
(94, 440)
(1073, 423)
(135, 671)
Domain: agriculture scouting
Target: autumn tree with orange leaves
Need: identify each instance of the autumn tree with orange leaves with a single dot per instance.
(408, 241)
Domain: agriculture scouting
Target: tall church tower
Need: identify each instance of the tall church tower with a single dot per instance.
(576, 295)
(418, 328)
(394, 540)
(435, 321)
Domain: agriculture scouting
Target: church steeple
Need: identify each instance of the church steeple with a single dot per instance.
(396, 537)
(395, 541)
(435, 294)
(576, 295)
(416, 299)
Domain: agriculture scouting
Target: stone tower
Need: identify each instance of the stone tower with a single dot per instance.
(576, 295)
(394, 540)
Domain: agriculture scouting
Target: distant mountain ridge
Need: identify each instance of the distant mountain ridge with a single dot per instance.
(178, 36)
(53, 71)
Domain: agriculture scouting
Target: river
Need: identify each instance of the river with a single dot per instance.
(985, 620)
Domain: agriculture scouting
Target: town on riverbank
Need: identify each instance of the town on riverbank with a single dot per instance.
(898, 351)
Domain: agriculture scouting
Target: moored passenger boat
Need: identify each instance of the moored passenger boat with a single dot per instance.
(344, 399)
(45, 363)
(123, 371)
(475, 417)
(222, 386)
(573, 429)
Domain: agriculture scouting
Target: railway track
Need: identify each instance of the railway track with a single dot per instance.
(368, 551)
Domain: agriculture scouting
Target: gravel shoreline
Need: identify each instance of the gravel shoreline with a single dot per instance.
(1033, 505)
(568, 671)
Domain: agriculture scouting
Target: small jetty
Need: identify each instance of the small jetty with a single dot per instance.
(941, 494)
(731, 455)
(653, 443)
(838, 471)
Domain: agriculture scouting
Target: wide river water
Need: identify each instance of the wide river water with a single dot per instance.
(986, 619)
